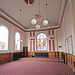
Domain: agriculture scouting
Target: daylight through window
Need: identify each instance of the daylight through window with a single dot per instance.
(3, 38)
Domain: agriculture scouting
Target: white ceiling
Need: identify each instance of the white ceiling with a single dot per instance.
(12, 9)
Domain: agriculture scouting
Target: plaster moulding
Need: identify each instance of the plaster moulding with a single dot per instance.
(17, 24)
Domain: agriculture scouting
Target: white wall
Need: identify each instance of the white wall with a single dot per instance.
(11, 41)
(26, 39)
(59, 40)
(68, 23)
(65, 32)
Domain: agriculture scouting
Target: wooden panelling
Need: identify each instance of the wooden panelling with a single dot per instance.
(51, 54)
(56, 54)
(73, 65)
(69, 60)
(31, 53)
(25, 51)
(6, 57)
(60, 54)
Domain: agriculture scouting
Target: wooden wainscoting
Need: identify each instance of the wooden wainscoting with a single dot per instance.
(56, 54)
(69, 60)
(31, 53)
(60, 53)
(73, 63)
(50, 54)
(6, 57)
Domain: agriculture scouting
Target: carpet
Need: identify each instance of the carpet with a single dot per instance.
(34, 68)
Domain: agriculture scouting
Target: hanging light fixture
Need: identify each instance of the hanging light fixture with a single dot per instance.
(37, 18)
(45, 22)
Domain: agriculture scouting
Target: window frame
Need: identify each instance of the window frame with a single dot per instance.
(37, 43)
(7, 42)
(18, 40)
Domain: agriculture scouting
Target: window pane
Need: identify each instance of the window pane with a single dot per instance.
(3, 38)
(17, 41)
(41, 42)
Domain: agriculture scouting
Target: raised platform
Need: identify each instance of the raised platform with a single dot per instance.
(41, 59)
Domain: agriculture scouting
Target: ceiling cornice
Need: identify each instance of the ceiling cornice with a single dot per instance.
(13, 22)
(63, 7)
(8, 18)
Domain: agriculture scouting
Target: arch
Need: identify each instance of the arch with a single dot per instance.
(17, 41)
(41, 42)
(4, 33)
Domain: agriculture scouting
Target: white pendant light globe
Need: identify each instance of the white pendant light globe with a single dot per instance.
(45, 22)
(33, 21)
(37, 26)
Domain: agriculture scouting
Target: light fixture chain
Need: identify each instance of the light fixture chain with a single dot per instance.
(20, 15)
(39, 6)
(46, 11)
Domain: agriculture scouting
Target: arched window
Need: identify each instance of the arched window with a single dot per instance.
(17, 41)
(3, 38)
(41, 42)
